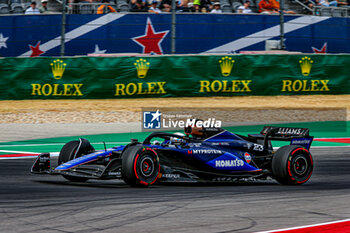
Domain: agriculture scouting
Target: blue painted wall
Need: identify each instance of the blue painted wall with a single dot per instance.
(196, 33)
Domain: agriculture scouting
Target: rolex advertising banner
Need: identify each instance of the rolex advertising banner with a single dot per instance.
(173, 76)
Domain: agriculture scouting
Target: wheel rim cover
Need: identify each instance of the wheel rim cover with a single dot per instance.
(300, 166)
(146, 166)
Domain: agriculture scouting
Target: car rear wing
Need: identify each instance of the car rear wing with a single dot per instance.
(297, 136)
(285, 132)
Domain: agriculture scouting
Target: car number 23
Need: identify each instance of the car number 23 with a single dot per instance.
(258, 147)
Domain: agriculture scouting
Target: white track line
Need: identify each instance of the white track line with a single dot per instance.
(20, 152)
(306, 226)
(52, 154)
(27, 157)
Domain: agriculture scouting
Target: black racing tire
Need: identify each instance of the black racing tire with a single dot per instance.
(292, 165)
(67, 152)
(140, 166)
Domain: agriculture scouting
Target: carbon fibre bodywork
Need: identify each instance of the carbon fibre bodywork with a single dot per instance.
(220, 155)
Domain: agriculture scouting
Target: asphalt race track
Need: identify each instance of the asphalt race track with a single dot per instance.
(34, 203)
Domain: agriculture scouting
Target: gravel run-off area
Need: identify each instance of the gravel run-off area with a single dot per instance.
(271, 108)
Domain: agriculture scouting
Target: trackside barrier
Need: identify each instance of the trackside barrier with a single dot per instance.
(173, 76)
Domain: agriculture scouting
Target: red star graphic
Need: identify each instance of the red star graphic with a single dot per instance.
(36, 50)
(150, 41)
(322, 50)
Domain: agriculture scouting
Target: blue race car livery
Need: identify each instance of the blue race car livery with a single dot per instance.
(199, 155)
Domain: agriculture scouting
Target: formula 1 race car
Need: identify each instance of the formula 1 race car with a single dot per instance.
(202, 155)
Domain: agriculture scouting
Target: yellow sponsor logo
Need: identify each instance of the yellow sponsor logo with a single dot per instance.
(147, 88)
(225, 86)
(305, 65)
(55, 89)
(140, 88)
(142, 67)
(58, 67)
(226, 65)
(305, 85)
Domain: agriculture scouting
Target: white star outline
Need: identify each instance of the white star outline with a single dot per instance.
(3, 41)
(98, 51)
(159, 43)
(156, 115)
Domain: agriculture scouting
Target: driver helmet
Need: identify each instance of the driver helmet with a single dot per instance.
(176, 139)
(194, 130)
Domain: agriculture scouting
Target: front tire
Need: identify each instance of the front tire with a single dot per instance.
(67, 153)
(292, 165)
(140, 166)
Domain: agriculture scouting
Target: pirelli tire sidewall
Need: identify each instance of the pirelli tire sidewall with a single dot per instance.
(67, 151)
(66, 154)
(292, 165)
(140, 166)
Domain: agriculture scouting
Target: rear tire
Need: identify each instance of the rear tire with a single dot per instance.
(67, 153)
(292, 165)
(140, 166)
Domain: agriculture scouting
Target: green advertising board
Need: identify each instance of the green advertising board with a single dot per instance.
(173, 76)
